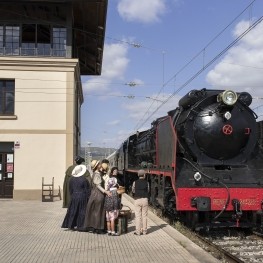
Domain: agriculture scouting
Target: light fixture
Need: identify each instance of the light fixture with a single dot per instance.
(227, 115)
(197, 176)
(228, 97)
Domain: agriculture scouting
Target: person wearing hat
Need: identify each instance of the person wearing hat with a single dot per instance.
(95, 212)
(140, 189)
(66, 195)
(79, 189)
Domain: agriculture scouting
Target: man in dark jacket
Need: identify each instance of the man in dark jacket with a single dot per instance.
(140, 189)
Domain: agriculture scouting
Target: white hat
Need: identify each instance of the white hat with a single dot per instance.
(79, 170)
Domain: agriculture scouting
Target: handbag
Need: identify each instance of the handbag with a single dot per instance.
(121, 190)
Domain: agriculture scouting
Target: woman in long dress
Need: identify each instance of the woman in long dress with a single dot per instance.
(95, 212)
(79, 189)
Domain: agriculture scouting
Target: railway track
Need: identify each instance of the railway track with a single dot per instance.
(246, 249)
(227, 245)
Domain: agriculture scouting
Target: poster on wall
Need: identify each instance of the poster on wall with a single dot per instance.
(0, 177)
(0, 167)
(9, 158)
(9, 168)
(9, 175)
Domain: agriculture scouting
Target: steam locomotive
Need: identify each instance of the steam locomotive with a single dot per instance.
(204, 160)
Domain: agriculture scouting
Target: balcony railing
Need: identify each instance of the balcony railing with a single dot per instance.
(33, 52)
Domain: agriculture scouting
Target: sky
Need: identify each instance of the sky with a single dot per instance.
(156, 51)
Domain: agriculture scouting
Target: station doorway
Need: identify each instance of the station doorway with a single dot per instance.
(6, 169)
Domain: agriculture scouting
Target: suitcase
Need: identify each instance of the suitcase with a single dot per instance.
(121, 225)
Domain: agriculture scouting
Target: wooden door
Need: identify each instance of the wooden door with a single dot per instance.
(6, 175)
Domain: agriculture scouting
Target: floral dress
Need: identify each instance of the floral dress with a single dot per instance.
(112, 203)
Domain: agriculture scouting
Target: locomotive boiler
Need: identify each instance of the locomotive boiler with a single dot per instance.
(204, 160)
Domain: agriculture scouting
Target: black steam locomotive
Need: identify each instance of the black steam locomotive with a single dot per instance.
(204, 160)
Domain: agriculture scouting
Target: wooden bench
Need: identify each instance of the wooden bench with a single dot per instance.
(48, 193)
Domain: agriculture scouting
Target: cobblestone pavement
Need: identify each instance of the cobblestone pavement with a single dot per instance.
(31, 232)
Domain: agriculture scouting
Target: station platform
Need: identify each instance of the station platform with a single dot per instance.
(30, 232)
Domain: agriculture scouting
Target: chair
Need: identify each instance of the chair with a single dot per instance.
(48, 193)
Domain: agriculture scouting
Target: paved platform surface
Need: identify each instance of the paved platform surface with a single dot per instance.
(30, 232)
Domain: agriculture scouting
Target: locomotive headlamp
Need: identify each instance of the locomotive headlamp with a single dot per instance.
(228, 97)
(197, 176)
(227, 115)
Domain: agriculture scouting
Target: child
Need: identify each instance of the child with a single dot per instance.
(112, 203)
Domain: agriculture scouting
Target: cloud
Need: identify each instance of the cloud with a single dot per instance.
(241, 68)
(116, 140)
(113, 123)
(144, 11)
(142, 113)
(115, 63)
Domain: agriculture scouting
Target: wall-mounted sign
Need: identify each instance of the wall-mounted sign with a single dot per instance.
(9, 175)
(17, 144)
(9, 158)
(9, 168)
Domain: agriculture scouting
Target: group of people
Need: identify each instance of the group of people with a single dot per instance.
(91, 198)
(93, 201)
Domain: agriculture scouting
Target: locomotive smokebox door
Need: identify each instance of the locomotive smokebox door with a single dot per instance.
(201, 203)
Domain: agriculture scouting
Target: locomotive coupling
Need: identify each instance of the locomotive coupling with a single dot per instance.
(237, 209)
(228, 97)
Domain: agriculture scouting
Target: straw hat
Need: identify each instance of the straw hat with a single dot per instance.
(105, 166)
(94, 164)
(79, 170)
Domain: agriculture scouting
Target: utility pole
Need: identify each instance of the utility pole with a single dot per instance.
(88, 155)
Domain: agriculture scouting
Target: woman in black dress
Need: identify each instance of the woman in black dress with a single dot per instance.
(79, 189)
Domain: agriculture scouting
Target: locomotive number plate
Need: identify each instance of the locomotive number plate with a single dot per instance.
(249, 202)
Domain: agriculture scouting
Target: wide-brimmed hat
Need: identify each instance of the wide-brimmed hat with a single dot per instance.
(94, 164)
(79, 170)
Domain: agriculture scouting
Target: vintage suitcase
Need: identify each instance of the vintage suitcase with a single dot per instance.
(126, 211)
(121, 225)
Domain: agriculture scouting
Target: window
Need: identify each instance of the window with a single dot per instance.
(43, 40)
(12, 40)
(28, 40)
(59, 41)
(1, 40)
(33, 40)
(7, 97)
(36, 40)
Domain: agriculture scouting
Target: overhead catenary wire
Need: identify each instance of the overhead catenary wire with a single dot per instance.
(201, 70)
(192, 59)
